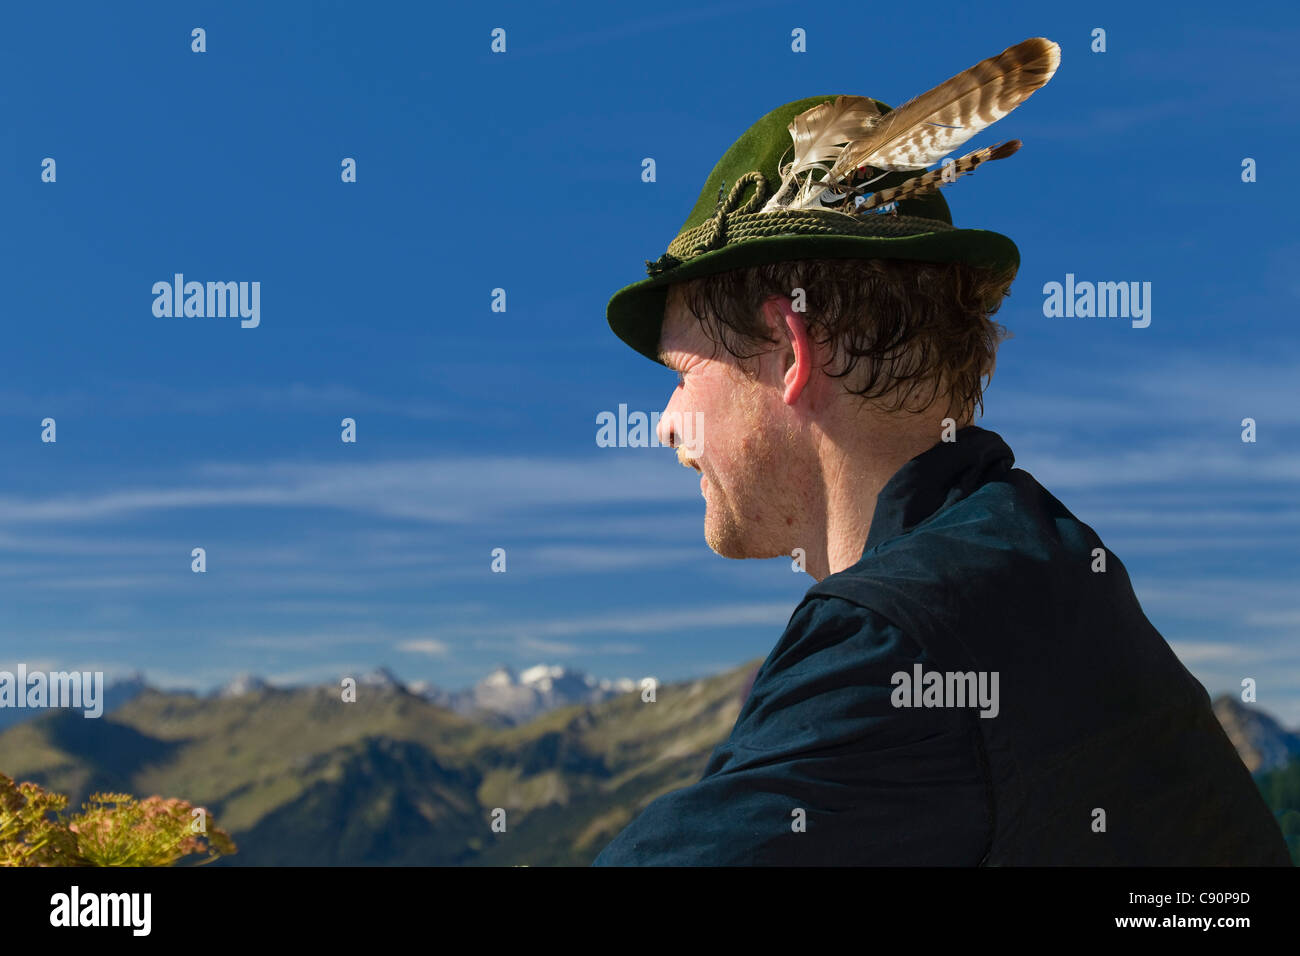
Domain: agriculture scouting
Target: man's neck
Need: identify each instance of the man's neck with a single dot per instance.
(854, 471)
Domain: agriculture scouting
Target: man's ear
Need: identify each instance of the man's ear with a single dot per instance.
(781, 312)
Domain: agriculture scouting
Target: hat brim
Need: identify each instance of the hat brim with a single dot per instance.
(635, 312)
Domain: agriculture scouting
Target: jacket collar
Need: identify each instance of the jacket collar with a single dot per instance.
(938, 477)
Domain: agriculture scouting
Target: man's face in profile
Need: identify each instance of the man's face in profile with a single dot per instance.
(750, 467)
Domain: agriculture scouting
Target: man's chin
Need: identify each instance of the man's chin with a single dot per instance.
(722, 550)
(729, 543)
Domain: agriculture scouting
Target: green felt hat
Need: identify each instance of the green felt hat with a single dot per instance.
(726, 231)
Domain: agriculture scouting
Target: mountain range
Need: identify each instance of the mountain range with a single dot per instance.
(507, 698)
(502, 698)
(1262, 743)
(406, 775)
(298, 776)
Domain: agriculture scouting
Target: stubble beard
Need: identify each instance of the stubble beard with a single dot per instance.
(746, 518)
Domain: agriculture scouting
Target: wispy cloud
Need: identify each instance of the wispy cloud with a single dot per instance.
(1164, 464)
(305, 641)
(150, 398)
(448, 490)
(1244, 601)
(1182, 388)
(433, 648)
(1199, 652)
(1289, 618)
(638, 621)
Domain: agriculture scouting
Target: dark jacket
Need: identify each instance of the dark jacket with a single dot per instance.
(1100, 748)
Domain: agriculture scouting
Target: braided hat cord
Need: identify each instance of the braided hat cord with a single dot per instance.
(733, 223)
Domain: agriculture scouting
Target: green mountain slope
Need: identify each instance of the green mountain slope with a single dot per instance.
(299, 777)
(1281, 790)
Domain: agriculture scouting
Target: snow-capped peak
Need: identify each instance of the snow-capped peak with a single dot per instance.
(501, 677)
(242, 684)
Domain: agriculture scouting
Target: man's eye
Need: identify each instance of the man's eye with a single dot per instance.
(681, 379)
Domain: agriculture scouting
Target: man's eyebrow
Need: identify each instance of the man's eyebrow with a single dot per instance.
(666, 360)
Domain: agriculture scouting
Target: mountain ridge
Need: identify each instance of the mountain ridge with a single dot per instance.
(299, 777)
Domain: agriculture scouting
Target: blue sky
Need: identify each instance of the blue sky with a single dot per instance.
(477, 428)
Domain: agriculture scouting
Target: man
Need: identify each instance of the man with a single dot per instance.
(971, 681)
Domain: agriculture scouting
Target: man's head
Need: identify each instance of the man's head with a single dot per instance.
(814, 377)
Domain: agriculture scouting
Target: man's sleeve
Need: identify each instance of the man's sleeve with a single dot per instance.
(822, 769)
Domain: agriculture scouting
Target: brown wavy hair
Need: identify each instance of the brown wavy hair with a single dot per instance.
(901, 325)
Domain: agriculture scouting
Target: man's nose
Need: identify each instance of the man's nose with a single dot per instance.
(665, 428)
